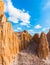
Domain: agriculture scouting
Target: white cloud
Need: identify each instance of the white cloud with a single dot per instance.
(32, 32)
(13, 19)
(45, 29)
(15, 30)
(23, 23)
(38, 26)
(16, 15)
(19, 28)
(29, 26)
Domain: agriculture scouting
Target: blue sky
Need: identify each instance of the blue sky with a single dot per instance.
(30, 15)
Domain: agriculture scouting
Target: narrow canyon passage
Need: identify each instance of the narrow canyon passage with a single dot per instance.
(28, 57)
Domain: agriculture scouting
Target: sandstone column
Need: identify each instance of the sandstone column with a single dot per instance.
(43, 49)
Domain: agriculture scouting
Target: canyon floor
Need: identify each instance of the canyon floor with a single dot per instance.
(29, 57)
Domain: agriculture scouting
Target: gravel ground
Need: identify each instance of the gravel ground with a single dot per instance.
(29, 57)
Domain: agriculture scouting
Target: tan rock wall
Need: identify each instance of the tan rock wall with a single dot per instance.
(43, 48)
(9, 43)
(48, 38)
(25, 38)
(35, 41)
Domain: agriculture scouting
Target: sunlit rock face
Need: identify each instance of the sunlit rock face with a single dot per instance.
(24, 37)
(43, 48)
(48, 38)
(9, 43)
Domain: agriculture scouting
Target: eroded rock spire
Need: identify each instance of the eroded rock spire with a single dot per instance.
(43, 46)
